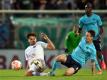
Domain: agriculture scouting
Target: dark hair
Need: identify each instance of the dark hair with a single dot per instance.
(88, 5)
(92, 33)
(31, 34)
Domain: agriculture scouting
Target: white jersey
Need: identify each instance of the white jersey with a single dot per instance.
(35, 52)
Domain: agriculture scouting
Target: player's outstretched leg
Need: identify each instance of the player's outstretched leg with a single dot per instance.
(32, 73)
(97, 44)
(59, 58)
(39, 74)
(101, 59)
(31, 69)
(54, 66)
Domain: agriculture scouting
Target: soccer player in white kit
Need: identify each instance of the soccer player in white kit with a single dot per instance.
(35, 51)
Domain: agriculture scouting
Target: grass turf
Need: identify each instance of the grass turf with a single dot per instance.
(84, 74)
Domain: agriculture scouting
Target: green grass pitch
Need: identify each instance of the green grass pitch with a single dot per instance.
(84, 74)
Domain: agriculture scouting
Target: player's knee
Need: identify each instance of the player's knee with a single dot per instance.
(68, 73)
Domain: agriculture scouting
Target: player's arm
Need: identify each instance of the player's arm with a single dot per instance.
(101, 30)
(93, 58)
(81, 24)
(94, 63)
(100, 34)
(50, 44)
(99, 22)
(94, 66)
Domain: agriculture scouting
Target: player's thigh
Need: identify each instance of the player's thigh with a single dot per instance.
(61, 58)
(70, 71)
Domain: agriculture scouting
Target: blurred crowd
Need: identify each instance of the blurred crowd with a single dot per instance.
(56, 4)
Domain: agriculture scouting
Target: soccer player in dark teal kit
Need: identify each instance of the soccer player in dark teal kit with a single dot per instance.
(83, 52)
(91, 21)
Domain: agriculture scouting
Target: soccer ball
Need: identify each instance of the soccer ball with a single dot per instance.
(16, 65)
(40, 64)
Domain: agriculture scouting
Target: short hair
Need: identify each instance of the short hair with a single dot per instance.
(88, 5)
(31, 34)
(92, 33)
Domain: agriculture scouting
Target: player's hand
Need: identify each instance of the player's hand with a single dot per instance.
(97, 73)
(77, 33)
(44, 36)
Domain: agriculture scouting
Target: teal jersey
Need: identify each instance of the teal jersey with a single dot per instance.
(83, 52)
(92, 22)
(71, 41)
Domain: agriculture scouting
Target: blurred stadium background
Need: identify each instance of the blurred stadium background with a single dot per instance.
(53, 17)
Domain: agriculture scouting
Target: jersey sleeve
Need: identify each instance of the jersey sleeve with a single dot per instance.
(43, 44)
(99, 22)
(93, 57)
(26, 57)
